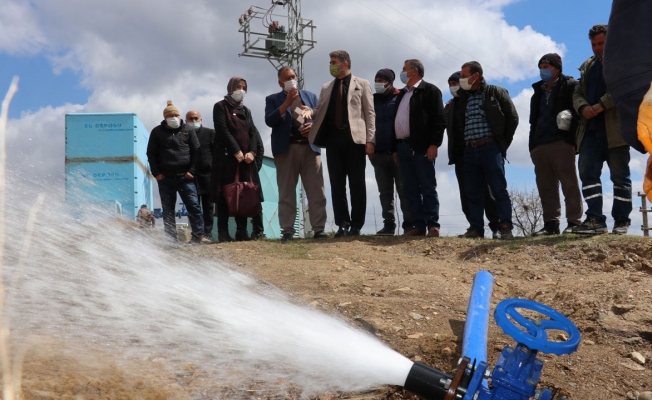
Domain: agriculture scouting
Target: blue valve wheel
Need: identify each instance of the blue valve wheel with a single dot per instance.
(536, 337)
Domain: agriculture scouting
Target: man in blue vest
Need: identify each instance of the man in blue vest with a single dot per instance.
(294, 156)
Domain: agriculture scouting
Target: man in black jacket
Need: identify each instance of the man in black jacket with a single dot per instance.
(206, 137)
(488, 118)
(552, 145)
(173, 155)
(456, 147)
(419, 125)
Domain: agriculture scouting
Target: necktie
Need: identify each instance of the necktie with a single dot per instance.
(338, 105)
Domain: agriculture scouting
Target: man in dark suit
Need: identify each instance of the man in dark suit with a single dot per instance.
(294, 156)
(419, 125)
(206, 138)
(345, 124)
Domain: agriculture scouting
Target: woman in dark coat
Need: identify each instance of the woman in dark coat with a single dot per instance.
(236, 143)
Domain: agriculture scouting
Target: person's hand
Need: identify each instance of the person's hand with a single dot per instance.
(431, 154)
(249, 157)
(306, 112)
(370, 150)
(305, 130)
(588, 112)
(597, 108)
(292, 95)
(395, 157)
(239, 156)
(189, 176)
(159, 177)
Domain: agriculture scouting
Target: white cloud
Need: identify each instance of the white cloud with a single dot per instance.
(20, 32)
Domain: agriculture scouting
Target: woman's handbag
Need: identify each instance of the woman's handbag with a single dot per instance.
(243, 198)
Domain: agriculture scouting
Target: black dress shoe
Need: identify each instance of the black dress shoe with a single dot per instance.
(342, 232)
(354, 231)
(287, 237)
(388, 230)
(321, 235)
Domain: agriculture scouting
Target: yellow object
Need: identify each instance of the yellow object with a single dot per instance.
(644, 128)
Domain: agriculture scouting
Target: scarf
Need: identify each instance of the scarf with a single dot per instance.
(233, 83)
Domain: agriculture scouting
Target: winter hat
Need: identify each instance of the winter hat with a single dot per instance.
(170, 109)
(386, 74)
(551, 58)
(455, 77)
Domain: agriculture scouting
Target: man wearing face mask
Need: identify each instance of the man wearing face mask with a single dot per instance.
(488, 118)
(344, 123)
(173, 156)
(386, 170)
(552, 145)
(294, 156)
(599, 139)
(206, 137)
(418, 131)
(456, 147)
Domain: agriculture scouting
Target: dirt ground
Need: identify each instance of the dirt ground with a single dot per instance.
(603, 284)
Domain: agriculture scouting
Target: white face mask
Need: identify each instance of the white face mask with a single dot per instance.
(288, 85)
(195, 125)
(464, 83)
(380, 87)
(454, 90)
(173, 122)
(238, 95)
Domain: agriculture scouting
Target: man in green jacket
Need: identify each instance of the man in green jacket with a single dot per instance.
(599, 139)
(488, 118)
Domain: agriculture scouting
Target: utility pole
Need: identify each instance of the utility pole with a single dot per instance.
(283, 46)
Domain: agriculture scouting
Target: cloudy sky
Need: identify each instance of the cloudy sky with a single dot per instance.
(131, 56)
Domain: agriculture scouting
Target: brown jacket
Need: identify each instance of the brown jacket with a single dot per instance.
(360, 105)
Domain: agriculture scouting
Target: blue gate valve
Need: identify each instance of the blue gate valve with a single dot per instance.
(517, 371)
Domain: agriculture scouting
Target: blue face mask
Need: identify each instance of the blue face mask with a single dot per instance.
(404, 77)
(546, 75)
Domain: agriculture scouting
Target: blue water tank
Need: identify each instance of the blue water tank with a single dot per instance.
(106, 161)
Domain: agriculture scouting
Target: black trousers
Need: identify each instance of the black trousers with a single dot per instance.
(490, 209)
(347, 159)
(207, 209)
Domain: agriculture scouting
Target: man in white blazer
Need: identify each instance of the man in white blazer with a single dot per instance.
(344, 123)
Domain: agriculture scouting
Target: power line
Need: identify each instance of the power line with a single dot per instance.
(429, 42)
(446, 41)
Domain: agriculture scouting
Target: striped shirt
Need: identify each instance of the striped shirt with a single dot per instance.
(476, 126)
(402, 120)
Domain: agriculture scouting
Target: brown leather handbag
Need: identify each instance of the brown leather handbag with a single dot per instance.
(243, 198)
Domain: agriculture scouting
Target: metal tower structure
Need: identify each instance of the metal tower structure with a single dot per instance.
(282, 45)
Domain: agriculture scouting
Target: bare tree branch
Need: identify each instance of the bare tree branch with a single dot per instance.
(527, 212)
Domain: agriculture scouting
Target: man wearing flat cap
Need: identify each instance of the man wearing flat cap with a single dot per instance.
(386, 170)
(553, 123)
(173, 156)
(456, 146)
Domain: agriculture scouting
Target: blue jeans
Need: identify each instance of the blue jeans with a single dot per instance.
(484, 166)
(168, 188)
(594, 151)
(419, 186)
